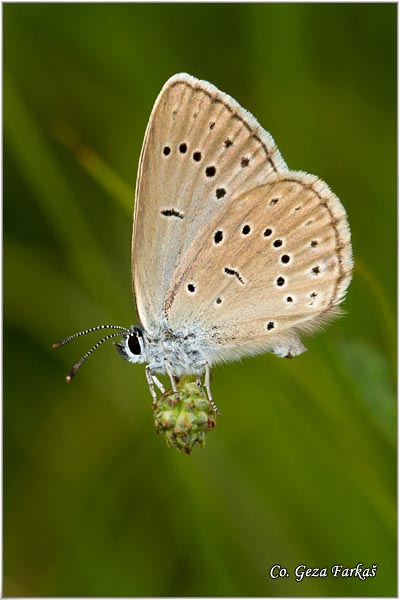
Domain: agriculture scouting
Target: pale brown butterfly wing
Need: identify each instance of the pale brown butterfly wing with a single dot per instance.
(275, 264)
(200, 149)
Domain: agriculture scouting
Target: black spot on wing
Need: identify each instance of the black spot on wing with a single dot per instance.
(172, 212)
(236, 274)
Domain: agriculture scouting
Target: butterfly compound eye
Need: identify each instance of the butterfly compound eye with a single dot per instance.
(134, 345)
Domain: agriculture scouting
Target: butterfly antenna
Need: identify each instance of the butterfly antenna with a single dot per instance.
(75, 335)
(88, 353)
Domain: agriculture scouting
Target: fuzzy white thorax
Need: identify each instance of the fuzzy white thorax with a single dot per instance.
(184, 352)
(188, 352)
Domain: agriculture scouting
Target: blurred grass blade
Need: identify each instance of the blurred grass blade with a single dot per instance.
(53, 284)
(370, 375)
(37, 164)
(386, 312)
(95, 166)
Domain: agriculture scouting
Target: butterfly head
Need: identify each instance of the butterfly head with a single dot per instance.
(132, 347)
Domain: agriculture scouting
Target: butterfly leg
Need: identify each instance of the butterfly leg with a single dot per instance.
(207, 381)
(158, 384)
(150, 383)
(172, 378)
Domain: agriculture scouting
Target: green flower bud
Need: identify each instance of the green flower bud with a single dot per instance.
(184, 422)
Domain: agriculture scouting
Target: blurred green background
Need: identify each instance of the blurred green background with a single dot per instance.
(302, 466)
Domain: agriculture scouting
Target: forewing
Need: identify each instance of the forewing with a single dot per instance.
(276, 263)
(200, 149)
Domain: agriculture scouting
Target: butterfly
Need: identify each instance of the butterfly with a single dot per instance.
(233, 254)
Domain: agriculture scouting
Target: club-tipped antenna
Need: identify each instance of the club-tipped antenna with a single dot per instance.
(88, 353)
(75, 335)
